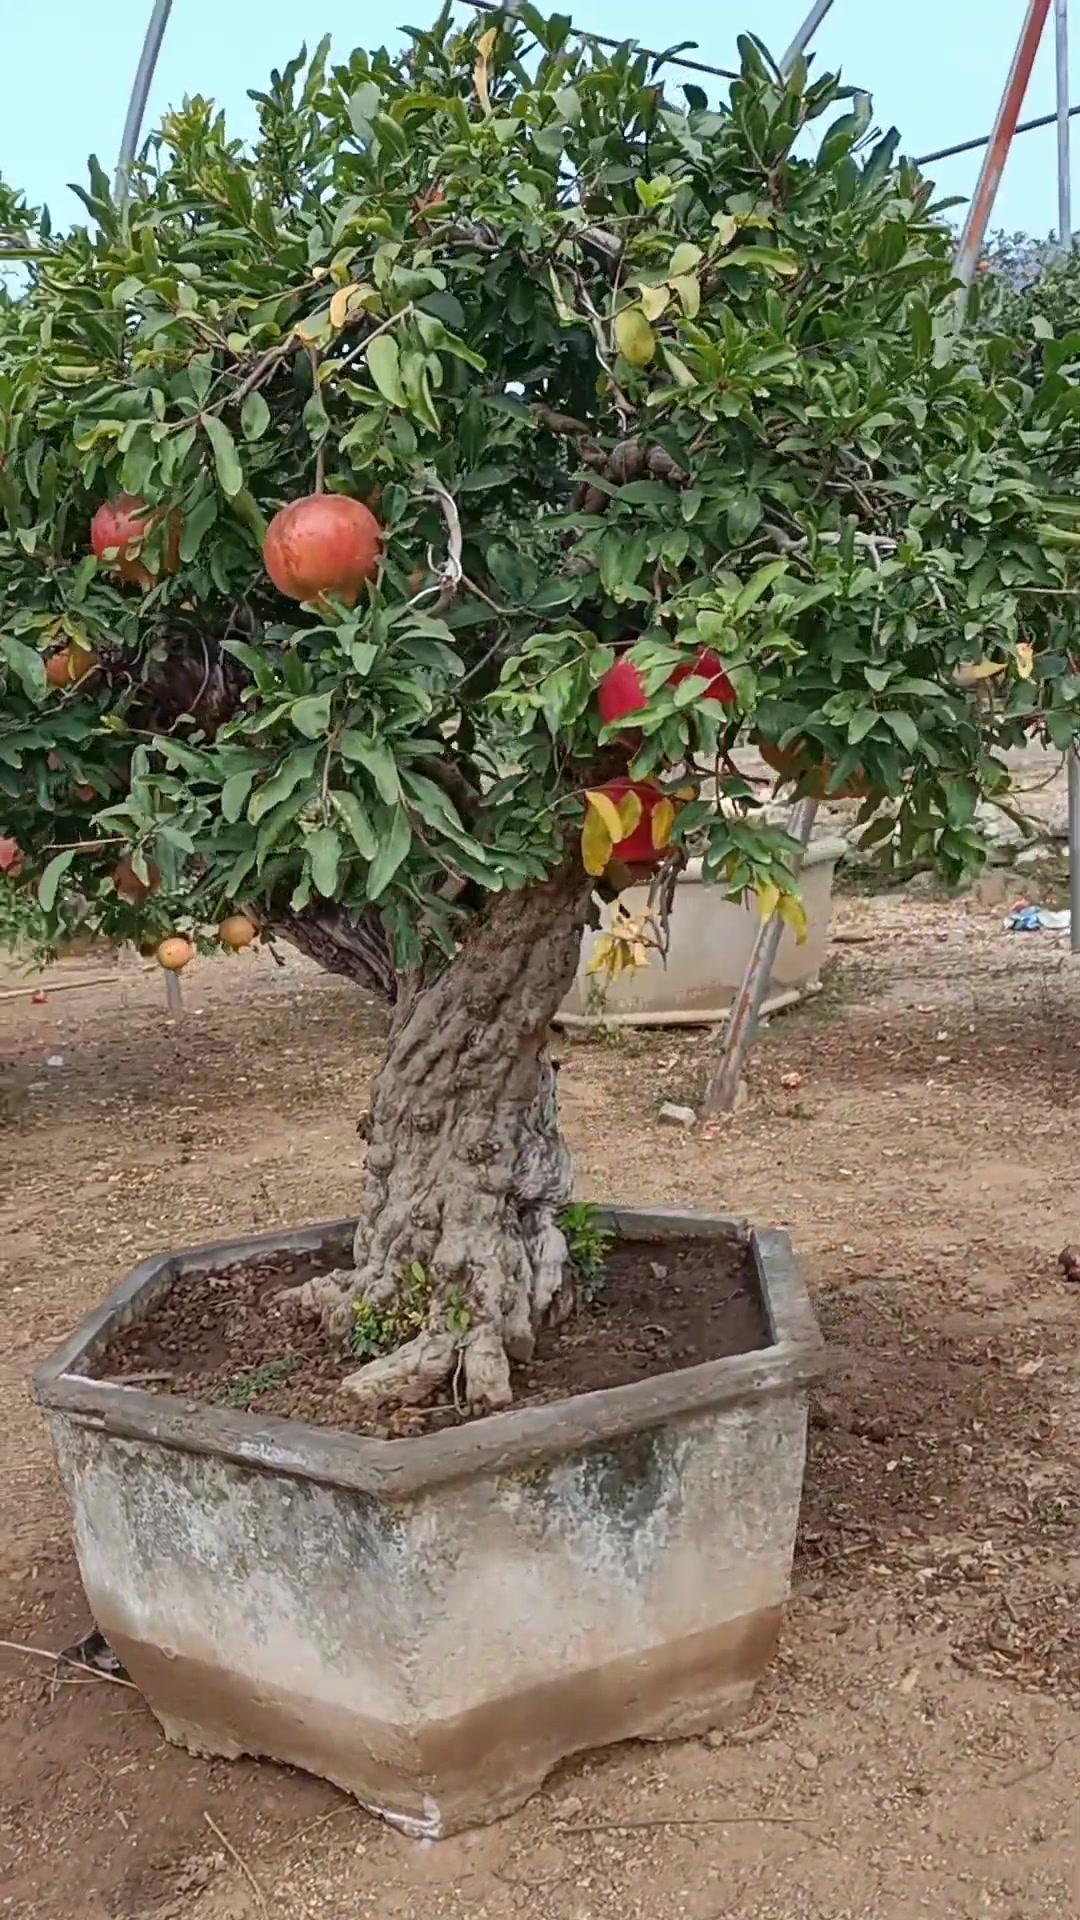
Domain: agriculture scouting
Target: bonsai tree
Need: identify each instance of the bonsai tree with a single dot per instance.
(405, 520)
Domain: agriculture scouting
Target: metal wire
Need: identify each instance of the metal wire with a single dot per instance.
(605, 40)
(726, 73)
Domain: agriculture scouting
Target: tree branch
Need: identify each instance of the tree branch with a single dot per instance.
(354, 945)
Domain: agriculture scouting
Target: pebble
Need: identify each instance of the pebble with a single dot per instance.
(804, 1758)
(674, 1116)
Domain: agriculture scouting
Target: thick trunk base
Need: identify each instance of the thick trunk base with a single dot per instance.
(459, 1255)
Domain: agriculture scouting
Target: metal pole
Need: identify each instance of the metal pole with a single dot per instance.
(982, 201)
(722, 1087)
(983, 139)
(723, 1084)
(174, 999)
(1064, 185)
(1061, 60)
(805, 34)
(144, 73)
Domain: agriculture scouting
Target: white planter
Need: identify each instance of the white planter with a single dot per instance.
(434, 1623)
(711, 938)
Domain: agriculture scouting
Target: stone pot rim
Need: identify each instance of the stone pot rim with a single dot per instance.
(516, 1440)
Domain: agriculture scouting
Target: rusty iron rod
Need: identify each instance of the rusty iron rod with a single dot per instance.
(993, 166)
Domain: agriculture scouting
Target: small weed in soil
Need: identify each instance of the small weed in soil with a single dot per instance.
(588, 1245)
(229, 1338)
(246, 1387)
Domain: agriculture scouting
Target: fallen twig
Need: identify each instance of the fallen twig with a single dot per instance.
(801, 1822)
(240, 1862)
(301, 1833)
(61, 1660)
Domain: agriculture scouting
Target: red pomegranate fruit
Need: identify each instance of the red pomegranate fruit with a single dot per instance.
(622, 689)
(11, 859)
(325, 543)
(124, 523)
(637, 849)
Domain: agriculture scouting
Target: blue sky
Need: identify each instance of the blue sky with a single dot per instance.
(935, 67)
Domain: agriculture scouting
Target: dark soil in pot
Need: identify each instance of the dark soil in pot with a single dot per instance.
(227, 1338)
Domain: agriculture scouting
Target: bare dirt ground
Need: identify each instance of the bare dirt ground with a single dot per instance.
(916, 1747)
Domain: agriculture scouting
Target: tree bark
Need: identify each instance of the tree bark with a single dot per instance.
(466, 1170)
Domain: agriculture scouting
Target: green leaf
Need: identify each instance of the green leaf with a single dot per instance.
(904, 728)
(25, 663)
(226, 459)
(861, 724)
(323, 850)
(234, 795)
(311, 716)
(254, 417)
(481, 478)
(296, 767)
(384, 366)
(357, 820)
(197, 524)
(743, 518)
(390, 854)
(378, 760)
(51, 878)
(773, 259)
(757, 585)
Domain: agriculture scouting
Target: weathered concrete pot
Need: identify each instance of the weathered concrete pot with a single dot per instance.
(433, 1623)
(711, 942)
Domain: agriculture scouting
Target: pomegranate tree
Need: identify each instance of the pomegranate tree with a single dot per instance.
(500, 444)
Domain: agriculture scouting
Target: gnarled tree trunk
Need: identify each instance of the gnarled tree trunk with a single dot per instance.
(466, 1171)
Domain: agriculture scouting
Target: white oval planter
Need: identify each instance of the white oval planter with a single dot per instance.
(434, 1623)
(711, 940)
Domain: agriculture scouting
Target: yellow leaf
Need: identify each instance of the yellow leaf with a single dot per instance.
(1025, 660)
(678, 369)
(596, 843)
(339, 305)
(768, 898)
(604, 806)
(688, 288)
(685, 793)
(601, 956)
(793, 914)
(634, 337)
(655, 301)
(315, 331)
(661, 823)
(969, 673)
(484, 47)
(726, 227)
(629, 814)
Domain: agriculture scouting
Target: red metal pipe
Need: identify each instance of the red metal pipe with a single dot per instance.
(982, 202)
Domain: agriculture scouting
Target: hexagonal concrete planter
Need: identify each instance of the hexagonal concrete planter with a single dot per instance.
(433, 1623)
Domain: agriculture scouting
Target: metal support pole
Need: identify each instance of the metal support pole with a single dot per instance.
(144, 73)
(1008, 114)
(1064, 185)
(805, 34)
(723, 1083)
(174, 999)
(1061, 64)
